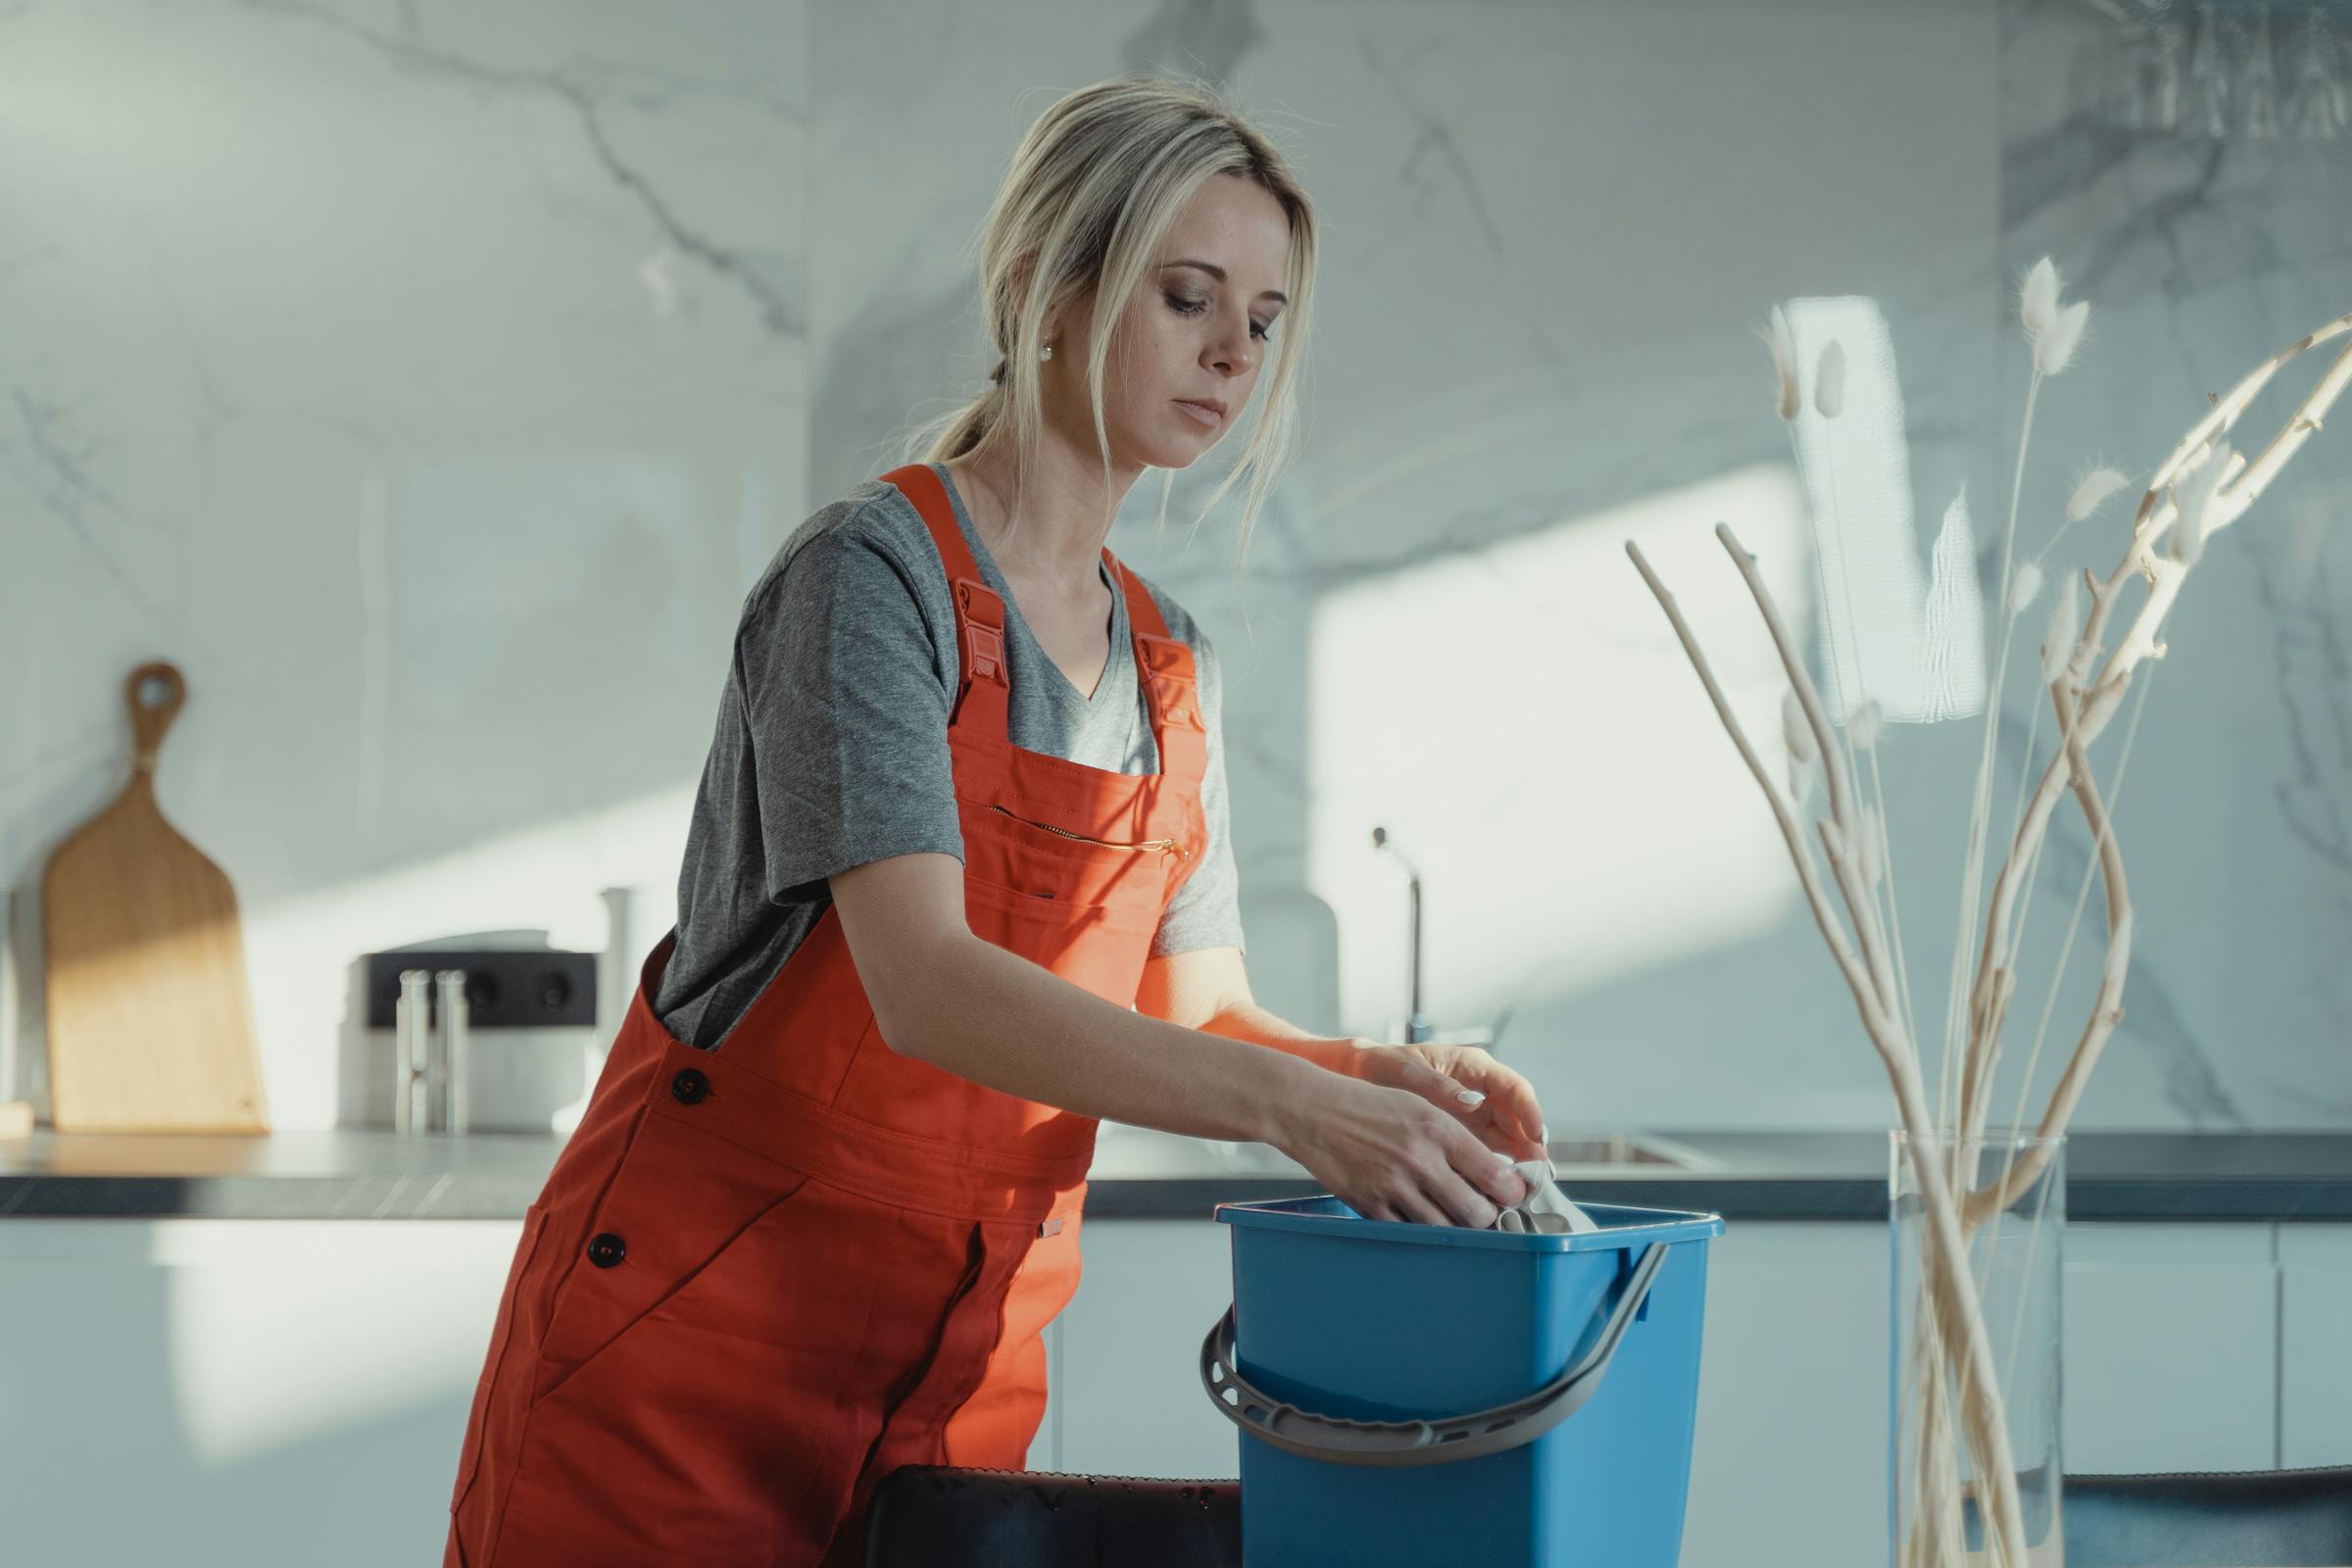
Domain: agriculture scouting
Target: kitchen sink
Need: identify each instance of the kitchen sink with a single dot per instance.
(1622, 1149)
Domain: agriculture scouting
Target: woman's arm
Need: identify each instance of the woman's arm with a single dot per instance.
(1208, 988)
(945, 996)
(949, 997)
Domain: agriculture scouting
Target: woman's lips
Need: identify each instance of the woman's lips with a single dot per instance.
(1202, 412)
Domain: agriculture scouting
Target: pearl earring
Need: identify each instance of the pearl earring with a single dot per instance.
(1045, 352)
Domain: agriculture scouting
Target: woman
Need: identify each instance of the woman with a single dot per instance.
(958, 883)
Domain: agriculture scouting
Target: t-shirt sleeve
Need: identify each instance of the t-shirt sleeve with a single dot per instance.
(848, 713)
(1206, 912)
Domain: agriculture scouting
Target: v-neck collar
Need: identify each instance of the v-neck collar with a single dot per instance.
(1018, 623)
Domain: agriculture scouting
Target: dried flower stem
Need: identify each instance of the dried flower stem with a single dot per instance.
(1980, 801)
(1844, 861)
(1951, 1325)
(1847, 705)
(2074, 921)
(1944, 1254)
(1958, 1312)
(1894, 914)
(1831, 930)
(2090, 704)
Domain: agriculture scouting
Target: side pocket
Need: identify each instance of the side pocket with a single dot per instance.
(679, 1205)
(501, 1331)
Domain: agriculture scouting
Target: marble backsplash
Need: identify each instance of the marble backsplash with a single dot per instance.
(431, 380)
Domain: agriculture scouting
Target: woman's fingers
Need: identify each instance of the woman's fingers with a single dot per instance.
(1420, 1210)
(1468, 1185)
(1495, 1137)
(1474, 1183)
(1509, 1096)
(1498, 1133)
(1440, 1090)
(1477, 1090)
(1500, 1126)
(1488, 1171)
(1510, 1126)
(1454, 1169)
(1461, 1204)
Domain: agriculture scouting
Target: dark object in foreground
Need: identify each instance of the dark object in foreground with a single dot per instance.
(936, 1516)
(2279, 1518)
(941, 1517)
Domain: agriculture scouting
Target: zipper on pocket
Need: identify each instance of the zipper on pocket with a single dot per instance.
(1166, 846)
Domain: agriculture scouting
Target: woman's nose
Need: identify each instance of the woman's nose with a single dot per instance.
(1232, 357)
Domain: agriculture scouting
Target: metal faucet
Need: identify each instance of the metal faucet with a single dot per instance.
(1416, 1025)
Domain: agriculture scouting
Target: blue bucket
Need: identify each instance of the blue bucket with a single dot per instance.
(1404, 1391)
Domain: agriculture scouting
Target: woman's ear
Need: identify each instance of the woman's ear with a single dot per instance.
(1060, 318)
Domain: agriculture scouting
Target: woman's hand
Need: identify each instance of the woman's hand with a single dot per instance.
(1390, 1152)
(1502, 1111)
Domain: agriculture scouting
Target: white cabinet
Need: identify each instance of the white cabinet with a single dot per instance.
(2171, 1354)
(167, 1383)
(1045, 1450)
(2315, 1344)
(1790, 1461)
(1126, 1381)
(256, 1391)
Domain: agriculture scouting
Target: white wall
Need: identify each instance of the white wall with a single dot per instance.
(426, 382)
(429, 382)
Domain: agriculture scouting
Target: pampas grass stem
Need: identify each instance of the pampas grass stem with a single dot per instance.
(2074, 923)
(1944, 1250)
(1951, 1333)
(1784, 362)
(1957, 1067)
(1830, 402)
(2049, 1005)
(2057, 651)
(2241, 484)
(1894, 906)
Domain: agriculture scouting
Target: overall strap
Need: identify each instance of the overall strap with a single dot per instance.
(1164, 666)
(984, 685)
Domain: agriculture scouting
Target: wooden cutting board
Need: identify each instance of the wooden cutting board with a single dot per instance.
(150, 1020)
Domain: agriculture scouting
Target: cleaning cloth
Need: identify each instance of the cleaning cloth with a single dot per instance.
(1545, 1208)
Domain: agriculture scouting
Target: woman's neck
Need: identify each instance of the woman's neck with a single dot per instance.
(1064, 512)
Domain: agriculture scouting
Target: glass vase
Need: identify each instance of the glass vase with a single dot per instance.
(1939, 1503)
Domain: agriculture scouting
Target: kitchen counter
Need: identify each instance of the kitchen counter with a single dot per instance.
(1138, 1174)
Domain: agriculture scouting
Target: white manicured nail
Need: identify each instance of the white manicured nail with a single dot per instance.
(1544, 1133)
(1500, 1157)
(1471, 1097)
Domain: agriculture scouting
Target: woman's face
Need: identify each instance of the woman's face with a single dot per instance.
(1193, 333)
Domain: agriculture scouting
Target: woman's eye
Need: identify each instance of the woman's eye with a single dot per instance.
(1192, 307)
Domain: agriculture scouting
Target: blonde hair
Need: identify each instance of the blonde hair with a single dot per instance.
(1090, 195)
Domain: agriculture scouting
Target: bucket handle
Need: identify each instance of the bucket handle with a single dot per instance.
(1396, 1444)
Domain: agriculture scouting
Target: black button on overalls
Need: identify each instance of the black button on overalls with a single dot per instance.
(689, 1086)
(606, 1250)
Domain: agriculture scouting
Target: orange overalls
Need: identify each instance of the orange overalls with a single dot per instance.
(761, 1278)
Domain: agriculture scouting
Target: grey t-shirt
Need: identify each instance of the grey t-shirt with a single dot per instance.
(832, 748)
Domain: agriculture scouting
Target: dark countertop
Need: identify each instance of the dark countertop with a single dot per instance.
(369, 1174)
